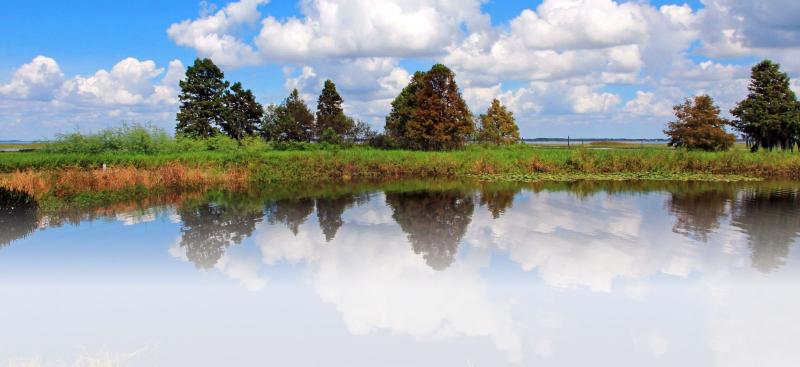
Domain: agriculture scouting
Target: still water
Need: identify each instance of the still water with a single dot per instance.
(446, 274)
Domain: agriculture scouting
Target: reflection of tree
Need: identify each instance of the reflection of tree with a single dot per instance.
(698, 211)
(17, 216)
(498, 201)
(209, 228)
(434, 221)
(293, 213)
(771, 219)
(329, 213)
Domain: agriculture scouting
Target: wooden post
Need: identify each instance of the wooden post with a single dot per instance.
(568, 144)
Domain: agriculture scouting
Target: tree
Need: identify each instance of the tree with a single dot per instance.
(430, 113)
(770, 115)
(289, 121)
(242, 112)
(403, 108)
(202, 100)
(498, 125)
(209, 228)
(303, 118)
(330, 114)
(18, 216)
(771, 222)
(698, 126)
(435, 222)
(292, 213)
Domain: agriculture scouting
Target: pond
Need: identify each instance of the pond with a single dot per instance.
(410, 274)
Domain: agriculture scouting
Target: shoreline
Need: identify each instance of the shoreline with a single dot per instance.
(81, 178)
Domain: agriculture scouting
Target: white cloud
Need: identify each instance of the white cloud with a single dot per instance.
(645, 104)
(128, 83)
(213, 35)
(39, 98)
(37, 80)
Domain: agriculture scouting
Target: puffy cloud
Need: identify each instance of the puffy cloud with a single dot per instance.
(584, 100)
(580, 24)
(40, 98)
(128, 83)
(37, 80)
(737, 27)
(330, 29)
(213, 35)
(645, 104)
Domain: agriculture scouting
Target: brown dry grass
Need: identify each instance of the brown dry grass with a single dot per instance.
(172, 176)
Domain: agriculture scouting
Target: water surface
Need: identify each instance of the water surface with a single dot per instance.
(446, 274)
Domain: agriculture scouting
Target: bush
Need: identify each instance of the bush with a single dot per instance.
(134, 138)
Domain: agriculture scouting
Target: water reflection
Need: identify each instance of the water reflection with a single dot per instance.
(771, 220)
(18, 217)
(699, 209)
(292, 213)
(329, 212)
(434, 221)
(209, 227)
(646, 273)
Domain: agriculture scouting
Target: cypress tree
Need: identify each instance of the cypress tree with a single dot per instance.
(242, 112)
(202, 100)
(698, 126)
(769, 117)
(498, 125)
(430, 113)
(403, 108)
(330, 114)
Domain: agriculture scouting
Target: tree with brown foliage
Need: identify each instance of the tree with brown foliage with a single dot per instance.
(699, 126)
(498, 126)
(434, 221)
(430, 113)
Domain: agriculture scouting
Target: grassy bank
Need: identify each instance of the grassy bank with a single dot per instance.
(77, 175)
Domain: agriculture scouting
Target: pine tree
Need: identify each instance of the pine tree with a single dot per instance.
(330, 114)
(202, 100)
(430, 113)
(242, 112)
(770, 115)
(498, 125)
(303, 118)
(699, 126)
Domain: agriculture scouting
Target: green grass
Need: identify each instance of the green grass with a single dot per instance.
(513, 162)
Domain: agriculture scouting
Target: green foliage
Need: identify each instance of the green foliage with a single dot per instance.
(330, 114)
(769, 117)
(498, 126)
(699, 126)
(403, 108)
(430, 114)
(330, 136)
(289, 121)
(202, 100)
(301, 116)
(242, 113)
(134, 138)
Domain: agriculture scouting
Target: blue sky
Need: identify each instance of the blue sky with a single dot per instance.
(585, 68)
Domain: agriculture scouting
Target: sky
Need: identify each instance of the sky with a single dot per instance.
(579, 68)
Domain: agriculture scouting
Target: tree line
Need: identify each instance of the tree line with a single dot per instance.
(429, 114)
(768, 118)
